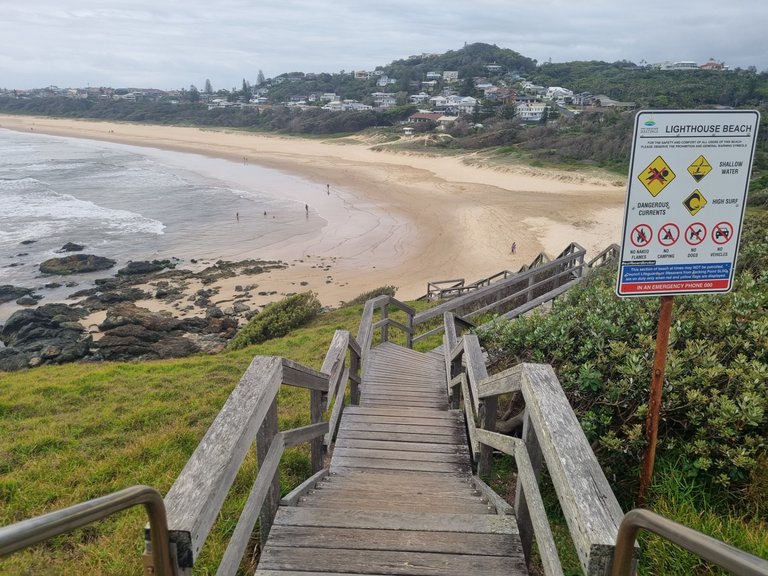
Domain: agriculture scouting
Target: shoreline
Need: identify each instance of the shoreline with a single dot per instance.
(444, 218)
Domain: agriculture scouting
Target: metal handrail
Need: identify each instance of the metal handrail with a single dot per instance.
(705, 547)
(41, 528)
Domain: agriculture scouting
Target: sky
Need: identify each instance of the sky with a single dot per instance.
(172, 44)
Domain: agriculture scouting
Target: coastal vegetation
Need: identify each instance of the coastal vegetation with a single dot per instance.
(566, 135)
(73, 432)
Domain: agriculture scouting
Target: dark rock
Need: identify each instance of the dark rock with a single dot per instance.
(214, 312)
(8, 293)
(240, 307)
(225, 327)
(52, 285)
(29, 300)
(71, 247)
(76, 264)
(49, 334)
(27, 242)
(12, 359)
(145, 267)
(102, 300)
(129, 313)
(176, 347)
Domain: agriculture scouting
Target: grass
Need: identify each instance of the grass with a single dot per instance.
(75, 432)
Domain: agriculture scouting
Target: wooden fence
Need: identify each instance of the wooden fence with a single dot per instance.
(552, 436)
(250, 415)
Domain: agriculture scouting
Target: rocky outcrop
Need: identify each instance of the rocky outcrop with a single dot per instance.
(9, 293)
(50, 334)
(76, 264)
(145, 267)
(71, 247)
(131, 332)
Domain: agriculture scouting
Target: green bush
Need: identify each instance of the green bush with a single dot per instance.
(278, 319)
(714, 414)
(365, 296)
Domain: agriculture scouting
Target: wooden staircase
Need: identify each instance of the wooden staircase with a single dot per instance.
(399, 497)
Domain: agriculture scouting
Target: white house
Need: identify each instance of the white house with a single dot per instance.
(531, 111)
(451, 75)
(419, 98)
(557, 93)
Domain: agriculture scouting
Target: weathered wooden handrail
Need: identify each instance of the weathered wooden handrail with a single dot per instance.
(249, 414)
(552, 432)
(567, 269)
(610, 254)
(551, 435)
(368, 326)
(339, 374)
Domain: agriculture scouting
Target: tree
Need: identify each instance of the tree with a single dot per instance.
(208, 87)
(193, 94)
(260, 78)
(246, 92)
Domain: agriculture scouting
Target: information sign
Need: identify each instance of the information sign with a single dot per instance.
(687, 192)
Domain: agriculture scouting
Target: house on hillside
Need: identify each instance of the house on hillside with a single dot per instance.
(531, 111)
(713, 64)
(451, 76)
(603, 101)
(384, 99)
(422, 117)
(434, 75)
(419, 98)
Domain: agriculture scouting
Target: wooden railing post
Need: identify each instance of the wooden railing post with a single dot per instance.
(354, 372)
(409, 333)
(316, 407)
(488, 407)
(264, 438)
(384, 326)
(521, 505)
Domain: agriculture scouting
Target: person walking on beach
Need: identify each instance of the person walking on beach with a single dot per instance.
(237, 215)
(328, 189)
(306, 209)
(514, 248)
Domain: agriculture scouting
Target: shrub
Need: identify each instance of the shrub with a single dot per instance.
(278, 319)
(365, 296)
(714, 413)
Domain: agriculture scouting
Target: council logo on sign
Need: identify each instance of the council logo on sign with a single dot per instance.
(699, 168)
(695, 202)
(656, 176)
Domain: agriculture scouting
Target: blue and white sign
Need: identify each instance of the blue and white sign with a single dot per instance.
(686, 196)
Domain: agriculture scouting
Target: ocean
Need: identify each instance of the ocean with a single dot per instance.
(134, 203)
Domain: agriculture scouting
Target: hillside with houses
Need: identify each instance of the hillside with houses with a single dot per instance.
(479, 96)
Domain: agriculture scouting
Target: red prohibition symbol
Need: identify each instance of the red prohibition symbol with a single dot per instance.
(722, 232)
(669, 234)
(641, 235)
(695, 233)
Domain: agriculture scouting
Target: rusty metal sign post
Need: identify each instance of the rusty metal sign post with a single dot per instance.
(686, 197)
(654, 404)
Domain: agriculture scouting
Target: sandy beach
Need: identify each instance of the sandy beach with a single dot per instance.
(427, 218)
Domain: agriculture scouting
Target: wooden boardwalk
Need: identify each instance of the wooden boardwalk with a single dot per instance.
(399, 497)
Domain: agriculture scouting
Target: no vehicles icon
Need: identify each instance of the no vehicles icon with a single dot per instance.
(722, 232)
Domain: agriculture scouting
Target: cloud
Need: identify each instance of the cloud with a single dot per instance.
(173, 43)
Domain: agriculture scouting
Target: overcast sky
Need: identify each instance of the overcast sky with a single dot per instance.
(174, 43)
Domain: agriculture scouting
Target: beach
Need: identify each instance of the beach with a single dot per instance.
(385, 217)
